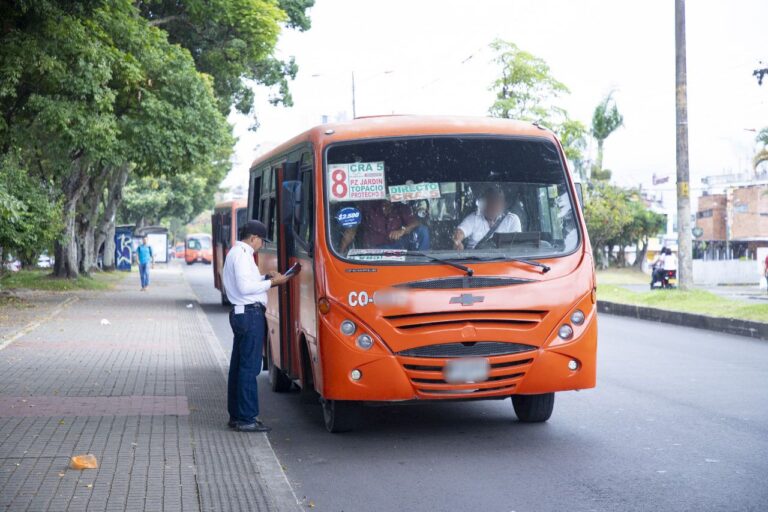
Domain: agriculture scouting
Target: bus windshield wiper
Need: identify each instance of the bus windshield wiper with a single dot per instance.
(459, 266)
(465, 268)
(544, 268)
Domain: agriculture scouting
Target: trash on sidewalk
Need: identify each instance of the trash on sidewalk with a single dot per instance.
(190, 306)
(83, 462)
(104, 321)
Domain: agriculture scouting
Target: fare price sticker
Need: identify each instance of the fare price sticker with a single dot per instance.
(360, 181)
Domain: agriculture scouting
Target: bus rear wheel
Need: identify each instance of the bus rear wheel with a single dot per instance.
(533, 408)
(340, 416)
(278, 381)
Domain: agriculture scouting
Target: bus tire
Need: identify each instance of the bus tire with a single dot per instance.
(278, 381)
(190, 262)
(340, 415)
(533, 408)
(308, 395)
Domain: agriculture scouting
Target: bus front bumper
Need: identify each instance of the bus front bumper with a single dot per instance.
(393, 378)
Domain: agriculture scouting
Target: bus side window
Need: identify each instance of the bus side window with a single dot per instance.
(256, 196)
(302, 224)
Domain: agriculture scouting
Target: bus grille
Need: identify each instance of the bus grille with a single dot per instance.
(427, 378)
(463, 282)
(501, 319)
(467, 349)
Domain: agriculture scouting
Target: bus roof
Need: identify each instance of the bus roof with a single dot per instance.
(198, 235)
(234, 203)
(404, 125)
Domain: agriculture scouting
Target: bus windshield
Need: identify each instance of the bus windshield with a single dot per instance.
(454, 198)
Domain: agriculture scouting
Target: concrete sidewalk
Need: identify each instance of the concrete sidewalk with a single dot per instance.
(145, 393)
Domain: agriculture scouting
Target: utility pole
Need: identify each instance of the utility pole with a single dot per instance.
(685, 266)
(354, 114)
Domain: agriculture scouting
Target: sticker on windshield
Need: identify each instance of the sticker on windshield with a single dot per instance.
(360, 181)
(348, 217)
(377, 254)
(414, 191)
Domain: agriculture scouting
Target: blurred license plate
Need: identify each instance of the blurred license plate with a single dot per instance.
(463, 371)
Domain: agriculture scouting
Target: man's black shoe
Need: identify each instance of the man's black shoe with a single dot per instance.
(232, 424)
(256, 426)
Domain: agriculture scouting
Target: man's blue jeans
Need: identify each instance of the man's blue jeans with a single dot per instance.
(144, 274)
(250, 330)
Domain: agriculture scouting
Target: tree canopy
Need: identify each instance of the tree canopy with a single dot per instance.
(96, 94)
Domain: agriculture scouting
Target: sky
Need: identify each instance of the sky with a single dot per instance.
(427, 57)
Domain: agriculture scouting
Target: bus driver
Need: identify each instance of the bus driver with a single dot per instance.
(492, 217)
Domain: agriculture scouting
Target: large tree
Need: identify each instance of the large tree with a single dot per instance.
(92, 92)
(527, 91)
(233, 41)
(606, 119)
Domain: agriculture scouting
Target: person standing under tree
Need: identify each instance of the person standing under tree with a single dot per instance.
(246, 289)
(146, 259)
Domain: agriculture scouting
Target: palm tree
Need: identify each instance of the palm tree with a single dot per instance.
(762, 155)
(605, 121)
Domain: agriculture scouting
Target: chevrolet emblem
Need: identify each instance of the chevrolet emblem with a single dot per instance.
(466, 299)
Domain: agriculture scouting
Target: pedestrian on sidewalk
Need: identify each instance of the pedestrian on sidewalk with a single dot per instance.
(246, 289)
(146, 259)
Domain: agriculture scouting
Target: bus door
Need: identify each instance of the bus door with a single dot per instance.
(294, 246)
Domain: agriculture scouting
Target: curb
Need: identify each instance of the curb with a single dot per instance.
(748, 328)
(281, 491)
(36, 323)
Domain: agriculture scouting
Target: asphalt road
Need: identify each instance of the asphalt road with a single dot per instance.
(679, 421)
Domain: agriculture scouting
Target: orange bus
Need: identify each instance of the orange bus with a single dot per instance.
(442, 258)
(197, 248)
(226, 220)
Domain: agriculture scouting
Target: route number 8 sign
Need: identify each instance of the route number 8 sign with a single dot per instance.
(359, 181)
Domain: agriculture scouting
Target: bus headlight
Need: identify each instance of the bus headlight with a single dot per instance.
(364, 341)
(348, 327)
(577, 317)
(565, 332)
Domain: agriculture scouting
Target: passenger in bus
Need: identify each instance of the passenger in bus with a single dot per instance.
(388, 225)
(492, 217)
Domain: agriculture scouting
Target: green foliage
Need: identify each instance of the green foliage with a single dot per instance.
(606, 214)
(526, 89)
(29, 220)
(233, 41)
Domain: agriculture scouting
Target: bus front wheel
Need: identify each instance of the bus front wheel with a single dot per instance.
(340, 415)
(533, 408)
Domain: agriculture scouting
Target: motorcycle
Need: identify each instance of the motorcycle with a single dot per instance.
(667, 279)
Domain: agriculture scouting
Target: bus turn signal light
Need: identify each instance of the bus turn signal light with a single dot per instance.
(323, 306)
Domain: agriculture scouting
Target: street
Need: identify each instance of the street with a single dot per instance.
(678, 421)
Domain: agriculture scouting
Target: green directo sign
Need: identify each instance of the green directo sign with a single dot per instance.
(698, 232)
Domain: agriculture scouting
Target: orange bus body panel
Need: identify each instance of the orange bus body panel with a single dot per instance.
(529, 313)
(221, 247)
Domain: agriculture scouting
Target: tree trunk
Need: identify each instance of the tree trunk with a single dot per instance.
(109, 249)
(640, 258)
(88, 217)
(599, 160)
(67, 264)
(105, 231)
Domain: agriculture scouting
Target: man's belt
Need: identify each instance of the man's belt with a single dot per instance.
(256, 305)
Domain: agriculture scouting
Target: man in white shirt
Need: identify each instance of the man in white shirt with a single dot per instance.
(477, 226)
(246, 289)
